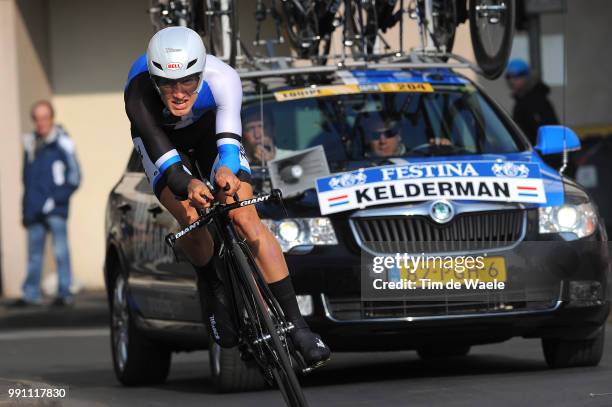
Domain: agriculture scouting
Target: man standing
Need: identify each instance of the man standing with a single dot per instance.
(532, 108)
(50, 176)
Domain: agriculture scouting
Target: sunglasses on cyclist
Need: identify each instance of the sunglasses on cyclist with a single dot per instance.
(188, 84)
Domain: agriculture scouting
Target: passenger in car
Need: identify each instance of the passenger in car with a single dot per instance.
(258, 138)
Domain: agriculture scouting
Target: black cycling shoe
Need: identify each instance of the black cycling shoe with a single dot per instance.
(310, 346)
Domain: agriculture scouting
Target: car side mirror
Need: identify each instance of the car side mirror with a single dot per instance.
(555, 139)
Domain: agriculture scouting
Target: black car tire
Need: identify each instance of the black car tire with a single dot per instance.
(136, 360)
(560, 353)
(232, 374)
(442, 352)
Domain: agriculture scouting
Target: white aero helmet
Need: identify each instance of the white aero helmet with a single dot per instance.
(174, 53)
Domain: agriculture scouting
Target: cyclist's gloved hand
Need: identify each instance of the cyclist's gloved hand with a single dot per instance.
(224, 177)
(198, 194)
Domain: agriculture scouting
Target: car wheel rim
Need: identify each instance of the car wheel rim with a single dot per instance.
(215, 357)
(120, 321)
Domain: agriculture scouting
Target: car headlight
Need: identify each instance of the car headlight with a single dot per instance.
(288, 230)
(295, 232)
(580, 220)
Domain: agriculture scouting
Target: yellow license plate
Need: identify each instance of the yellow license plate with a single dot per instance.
(493, 268)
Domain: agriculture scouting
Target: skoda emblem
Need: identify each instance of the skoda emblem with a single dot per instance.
(441, 211)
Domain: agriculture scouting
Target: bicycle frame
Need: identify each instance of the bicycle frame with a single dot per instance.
(264, 330)
(218, 214)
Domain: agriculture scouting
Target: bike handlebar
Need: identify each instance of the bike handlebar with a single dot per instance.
(218, 208)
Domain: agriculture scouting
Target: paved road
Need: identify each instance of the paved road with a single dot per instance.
(507, 374)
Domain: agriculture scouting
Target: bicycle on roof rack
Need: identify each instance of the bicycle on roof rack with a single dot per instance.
(364, 21)
(491, 29)
(215, 20)
(167, 13)
(309, 26)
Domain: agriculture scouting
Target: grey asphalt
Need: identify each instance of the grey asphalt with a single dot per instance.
(507, 374)
(89, 310)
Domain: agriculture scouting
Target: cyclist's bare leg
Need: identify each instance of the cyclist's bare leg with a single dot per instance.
(198, 245)
(263, 244)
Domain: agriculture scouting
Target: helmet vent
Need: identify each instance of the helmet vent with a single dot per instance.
(191, 63)
(157, 65)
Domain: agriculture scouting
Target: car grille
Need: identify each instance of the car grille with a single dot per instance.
(414, 234)
(353, 309)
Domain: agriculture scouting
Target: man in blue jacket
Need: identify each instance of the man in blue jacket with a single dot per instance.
(50, 176)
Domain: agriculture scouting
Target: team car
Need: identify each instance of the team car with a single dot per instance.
(384, 165)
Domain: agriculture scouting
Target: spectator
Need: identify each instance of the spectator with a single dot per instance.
(50, 176)
(532, 108)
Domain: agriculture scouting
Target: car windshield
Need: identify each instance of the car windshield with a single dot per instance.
(369, 126)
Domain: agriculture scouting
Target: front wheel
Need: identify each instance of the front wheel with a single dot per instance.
(136, 360)
(278, 361)
(560, 353)
(491, 31)
(230, 373)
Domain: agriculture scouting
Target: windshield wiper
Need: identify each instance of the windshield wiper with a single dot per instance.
(438, 149)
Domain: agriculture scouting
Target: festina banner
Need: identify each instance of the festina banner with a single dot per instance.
(500, 181)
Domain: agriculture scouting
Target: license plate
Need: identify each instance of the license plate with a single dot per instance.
(494, 268)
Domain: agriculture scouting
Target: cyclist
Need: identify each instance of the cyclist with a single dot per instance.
(180, 100)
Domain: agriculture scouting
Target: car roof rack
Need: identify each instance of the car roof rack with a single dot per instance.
(414, 60)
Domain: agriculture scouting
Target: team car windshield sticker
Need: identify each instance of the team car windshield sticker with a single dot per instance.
(332, 90)
(501, 181)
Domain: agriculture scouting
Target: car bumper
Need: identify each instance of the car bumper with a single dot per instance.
(329, 277)
(560, 321)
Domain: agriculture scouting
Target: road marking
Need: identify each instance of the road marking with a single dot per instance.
(53, 333)
(600, 394)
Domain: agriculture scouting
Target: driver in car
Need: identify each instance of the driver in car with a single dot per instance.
(383, 136)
